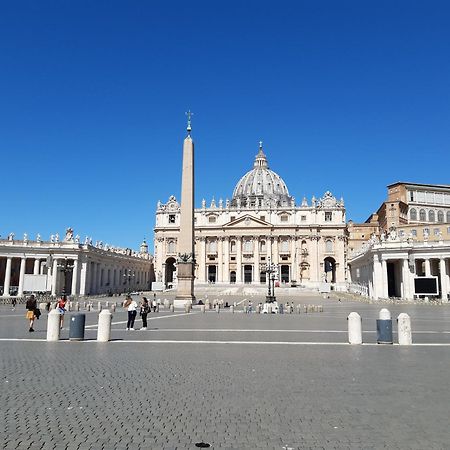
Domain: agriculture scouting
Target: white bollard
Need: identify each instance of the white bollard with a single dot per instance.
(99, 306)
(172, 308)
(404, 329)
(202, 309)
(354, 328)
(232, 309)
(113, 307)
(106, 304)
(104, 326)
(385, 314)
(70, 306)
(217, 309)
(77, 306)
(53, 325)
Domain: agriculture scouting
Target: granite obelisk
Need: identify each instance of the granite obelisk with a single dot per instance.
(186, 256)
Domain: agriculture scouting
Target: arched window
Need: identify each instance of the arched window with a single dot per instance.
(171, 247)
(413, 214)
(212, 246)
(440, 216)
(284, 245)
(233, 247)
(262, 246)
(329, 246)
(248, 245)
(431, 216)
(422, 215)
(448, 216)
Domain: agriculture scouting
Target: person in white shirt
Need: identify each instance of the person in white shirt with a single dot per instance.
(131, 306)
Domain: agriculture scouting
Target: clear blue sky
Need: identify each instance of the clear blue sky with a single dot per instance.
(347, 96)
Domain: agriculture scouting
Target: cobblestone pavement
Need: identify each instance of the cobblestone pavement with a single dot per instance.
(138, 392)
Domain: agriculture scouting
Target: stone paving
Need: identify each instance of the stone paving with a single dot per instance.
(139, 392)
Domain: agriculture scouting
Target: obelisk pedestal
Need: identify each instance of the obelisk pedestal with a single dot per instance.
(186, 257)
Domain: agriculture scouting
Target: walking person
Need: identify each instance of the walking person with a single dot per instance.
(31, 306)
(145, 309)
(61, 308)
(131, 306)
(154, 304)
(13, 303)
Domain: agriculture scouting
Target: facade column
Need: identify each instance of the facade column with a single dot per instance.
(220, 260)
(377, 284)
(23, 262)
(275, 253)
(84, 278)
(406, 280)
(93, 284)
(54, 276)
(256, 260)
(427, 267)
(444, 281)
(294, 262)
(74, 288)
(36, 266)
(226, 257)
(385, 291)
(7, 283)
(238, 259)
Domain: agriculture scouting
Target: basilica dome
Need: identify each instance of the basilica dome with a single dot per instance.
(261, 186)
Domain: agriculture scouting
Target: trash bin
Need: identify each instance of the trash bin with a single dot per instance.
(76, 331)
(384, 331)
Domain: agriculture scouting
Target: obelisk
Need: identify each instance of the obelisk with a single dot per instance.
(186, 257)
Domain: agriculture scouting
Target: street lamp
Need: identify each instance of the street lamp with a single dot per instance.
(271, 269)
(65, 268)
(128, 275)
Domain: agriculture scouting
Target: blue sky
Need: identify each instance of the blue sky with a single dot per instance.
(347, 96)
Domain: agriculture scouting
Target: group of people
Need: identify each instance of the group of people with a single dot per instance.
(145, 308)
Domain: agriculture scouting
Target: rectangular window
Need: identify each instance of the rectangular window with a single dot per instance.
(284, 258)
(303, 218)
(401, 233)
(263, 258)
(212, 219)
(233, 258)
(284, 218)
(262, 217)
(448, 230)
(171, 218)
(414, 233)
(436, 231)
(328, 216)
(232, 218)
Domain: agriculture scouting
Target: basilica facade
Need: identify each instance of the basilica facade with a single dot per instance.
(236, 240)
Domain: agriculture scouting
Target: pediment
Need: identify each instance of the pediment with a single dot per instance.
(247, 221)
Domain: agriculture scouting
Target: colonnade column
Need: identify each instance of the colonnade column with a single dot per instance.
(238, 259)
(444, 281)
(226, 256)
(384, 278)
(294, 262)
(7, 283)
(377, 283)
(256, 270)
(73, 290)
(427, 267)
(54, 276)
(23, 262)
(36, 266)
(220, 259)
(84, 278)
(406, 280)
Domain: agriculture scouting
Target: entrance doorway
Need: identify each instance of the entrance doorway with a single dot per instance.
(212, 272)
(262, 277)
(329, 265)
(285, 274)
(232, 277)
(393, 277)
(170, 269)
(248, 271)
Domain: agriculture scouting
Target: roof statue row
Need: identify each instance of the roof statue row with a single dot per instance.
(260, 188)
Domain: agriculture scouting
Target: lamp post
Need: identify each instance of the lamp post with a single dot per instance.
(128, 275)
(271, 269)
(65, 268)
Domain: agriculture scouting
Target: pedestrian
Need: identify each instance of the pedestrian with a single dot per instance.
(61, 308)
(145, 309)
(154, 304)
(250, 307)
(31, 306)
(13, 303)
(131, 306)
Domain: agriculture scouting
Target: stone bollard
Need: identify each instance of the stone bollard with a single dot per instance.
(305, 308)
(232, 309)
(70, 306)
(258, 308)
(99, 306)
(77, 306)
(299, 309)
(217, 308)
(84, 305)
(186, 307)
(320, 308)
(113, 307)
(104, 326)
(106, 304)
(404, 329)
(171, 308)
(53, 326)
(384, 327)
(166, 304)
(354, 328)
(202, 309)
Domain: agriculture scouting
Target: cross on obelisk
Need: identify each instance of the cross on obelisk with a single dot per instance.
(186, 256)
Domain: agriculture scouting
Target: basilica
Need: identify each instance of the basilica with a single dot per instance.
(238, 239)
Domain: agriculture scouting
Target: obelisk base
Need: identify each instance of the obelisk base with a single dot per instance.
(185, 284)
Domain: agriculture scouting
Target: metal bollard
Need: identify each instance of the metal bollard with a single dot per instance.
(232, 309)
(53, 326)
(354, 328)
(104, 326)
(384, 327)
(113, 307)
(99, 306)
(202, 309)
(404, 329)
(76, 331)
